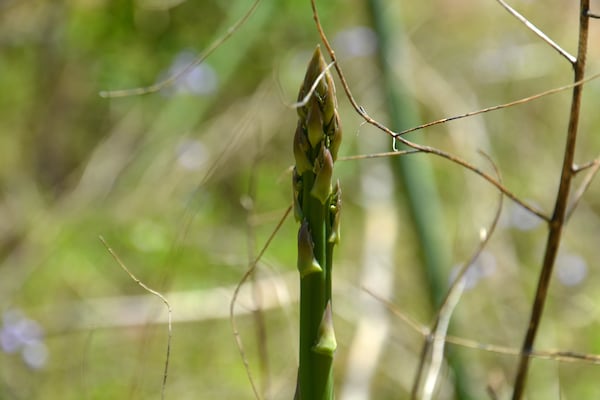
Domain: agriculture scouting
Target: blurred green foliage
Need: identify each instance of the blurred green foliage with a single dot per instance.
(188, 183)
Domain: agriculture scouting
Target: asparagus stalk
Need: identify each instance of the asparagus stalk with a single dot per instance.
(317, 208)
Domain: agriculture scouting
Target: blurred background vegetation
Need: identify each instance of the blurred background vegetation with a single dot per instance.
(186, 185)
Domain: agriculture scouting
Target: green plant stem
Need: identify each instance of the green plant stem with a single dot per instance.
(312, 298)
(418, 181)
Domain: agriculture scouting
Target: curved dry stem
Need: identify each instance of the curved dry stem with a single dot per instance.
(258, 314)
(485, 240)
(188, 68)
(160, 296)
(247, 274)
(407, 319)
(422, 148)
(555, 221)
(442, 319)
(553, 355)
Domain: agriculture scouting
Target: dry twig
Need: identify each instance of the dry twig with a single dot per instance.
(188, 68)
(557, 219)
(160, 296)
(434, 344)
(422, 148)
(247, 274)
(538, 32)
(556, 223)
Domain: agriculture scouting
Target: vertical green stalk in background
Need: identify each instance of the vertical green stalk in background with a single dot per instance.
(416, 175)
(317, 208)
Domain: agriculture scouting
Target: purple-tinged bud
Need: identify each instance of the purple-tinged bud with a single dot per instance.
(326, 343)
(297, 191)
(329, 103)
(301, 150)
(307, 264)
(322, 186)
(314, 124)
(316, 65)
(335, 210)
(334, 133)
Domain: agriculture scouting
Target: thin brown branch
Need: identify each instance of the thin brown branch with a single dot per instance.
(587, 181)
(538, 32)
(554, 355)
(188, 68)
(378, 155)
(486, 176)
(558, 217)
(425, 149)
(247, 274)
(407, 319)
(161, 297)
(501, 106)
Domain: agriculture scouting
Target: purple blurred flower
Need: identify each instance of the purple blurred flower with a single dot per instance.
(200, 80)
(21, 334)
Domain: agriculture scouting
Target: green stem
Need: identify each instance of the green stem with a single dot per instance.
(315, 368)
(418, 180)
(328, 268)
(314, 213)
